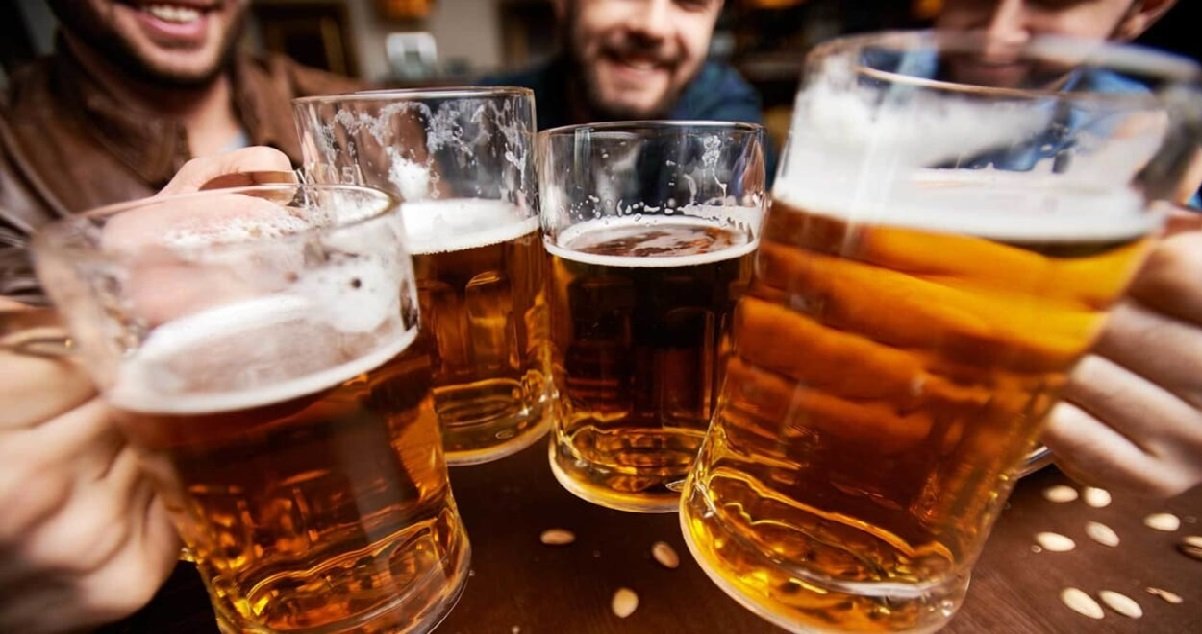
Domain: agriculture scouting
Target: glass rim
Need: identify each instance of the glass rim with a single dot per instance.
(47, 238)
(415, 94)
(652, 124)
(1104, 54)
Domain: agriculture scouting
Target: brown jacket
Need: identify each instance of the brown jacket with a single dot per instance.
(68, 145)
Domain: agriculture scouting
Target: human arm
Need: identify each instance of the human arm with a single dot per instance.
(84, 538)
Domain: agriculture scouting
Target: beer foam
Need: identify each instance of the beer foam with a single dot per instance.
(645, 222)
(146, 381)
(442, 226)
(233, 231)
(412, 180)
(872, 156)
(988, 203)
(357, 293)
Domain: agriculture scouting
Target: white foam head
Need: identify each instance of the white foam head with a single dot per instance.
(443, 226)
(246, 355)
(868, 156)
(591, 232)
(270, 319)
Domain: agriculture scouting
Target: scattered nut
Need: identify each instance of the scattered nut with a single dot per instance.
(1096, 497)
(1169, 597)
(1102, 534)
(1191, 547)
(557, 537)
(665, 555)
(1162, 522)
(1081, 603)
(1055, 542)
(625, 602)
(1121, 603)
(1060, 494)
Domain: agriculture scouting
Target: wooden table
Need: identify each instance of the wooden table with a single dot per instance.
(519, 586)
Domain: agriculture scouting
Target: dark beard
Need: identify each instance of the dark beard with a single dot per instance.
(77, 18)
(583, 94)
(582, 89)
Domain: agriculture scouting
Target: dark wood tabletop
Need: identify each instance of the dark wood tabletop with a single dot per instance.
(520, 586)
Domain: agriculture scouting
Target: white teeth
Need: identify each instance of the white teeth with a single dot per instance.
(171, 13)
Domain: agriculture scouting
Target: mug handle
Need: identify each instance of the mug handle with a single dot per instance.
(1039, 458)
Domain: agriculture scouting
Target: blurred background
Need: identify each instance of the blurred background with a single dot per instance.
(396, 43)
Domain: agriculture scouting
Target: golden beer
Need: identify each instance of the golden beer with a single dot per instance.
(886, 379)
(259, 347)
(318, 502)
(461, 162)
(479, 268)
(639, 312)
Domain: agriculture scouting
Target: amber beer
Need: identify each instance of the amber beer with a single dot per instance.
(886, 380)
(259, 348)
(479, 267)
(308, 503)
(640, 311)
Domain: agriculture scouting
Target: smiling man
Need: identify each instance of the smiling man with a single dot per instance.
(133, 90)
(636, 59)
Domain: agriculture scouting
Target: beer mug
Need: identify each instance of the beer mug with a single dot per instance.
(461, 162)
(952, 219)
(256, 346)
(650, 229)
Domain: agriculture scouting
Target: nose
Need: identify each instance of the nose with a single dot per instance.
(652, 21)
(1008, 23)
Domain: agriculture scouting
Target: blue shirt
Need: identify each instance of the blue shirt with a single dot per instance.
(1057, 142)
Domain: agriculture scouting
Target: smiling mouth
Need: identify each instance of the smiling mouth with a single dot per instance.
(637, 64)
(172, 13)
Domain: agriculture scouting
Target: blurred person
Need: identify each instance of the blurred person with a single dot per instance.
(133, 89)
(1131, 415)
(636, 59)
(1017, 21)
(84, 539)
(131, 93)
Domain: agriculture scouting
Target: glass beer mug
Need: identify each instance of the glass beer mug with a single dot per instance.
(257, 347)
(650, 228)
(952, 219)
(461, 162)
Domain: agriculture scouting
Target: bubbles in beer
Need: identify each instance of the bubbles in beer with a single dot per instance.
(480, 281)
(640, 310)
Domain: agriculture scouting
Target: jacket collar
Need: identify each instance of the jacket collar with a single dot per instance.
(154, 146)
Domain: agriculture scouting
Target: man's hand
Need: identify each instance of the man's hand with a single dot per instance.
(83, 537)
(247, 166)
(1132, 411)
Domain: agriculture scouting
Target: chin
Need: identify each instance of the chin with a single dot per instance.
(184, 69)
(629, 110)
